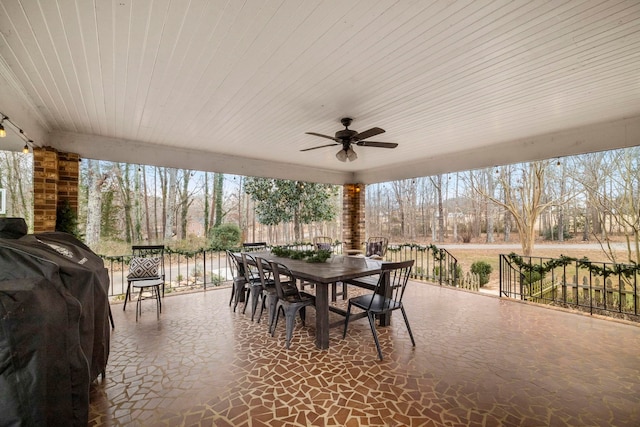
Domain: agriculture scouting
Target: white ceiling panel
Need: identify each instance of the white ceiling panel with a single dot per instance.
(233, 86)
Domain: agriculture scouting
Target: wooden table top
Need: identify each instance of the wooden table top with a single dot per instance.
(337, 269)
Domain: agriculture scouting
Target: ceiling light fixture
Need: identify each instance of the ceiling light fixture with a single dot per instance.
(25, 149)
(3, 132)
(346, 154)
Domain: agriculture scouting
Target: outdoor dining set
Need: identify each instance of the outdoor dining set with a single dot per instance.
(264, 281)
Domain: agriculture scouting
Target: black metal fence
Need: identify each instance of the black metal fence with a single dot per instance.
(594, 287)
(205, 268)
(184, 270)
(432, 263)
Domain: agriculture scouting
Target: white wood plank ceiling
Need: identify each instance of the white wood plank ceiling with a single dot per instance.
(232, 86)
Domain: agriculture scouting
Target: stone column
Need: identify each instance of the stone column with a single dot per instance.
(353, 221)
(55, 180)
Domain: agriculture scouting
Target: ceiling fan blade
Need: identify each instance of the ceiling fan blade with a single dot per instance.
(377, 144)
(321, 135)
(321, 146)
(368, 134)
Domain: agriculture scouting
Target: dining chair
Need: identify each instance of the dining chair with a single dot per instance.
(323, 243)
(376, 246)
(254, 246)
(269, 295)
(146, 274)
(239, 290)
(288, 304)
(386, 298)
(254, 283)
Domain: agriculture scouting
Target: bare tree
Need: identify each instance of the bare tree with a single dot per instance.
(524, 200)
(437, 184)
(620, 204)
(95, 184)
(171, 203)
(145, 196)
(124, 186)
(16, 178)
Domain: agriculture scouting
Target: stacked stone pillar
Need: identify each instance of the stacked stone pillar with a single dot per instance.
(353, 221)
(55, 180)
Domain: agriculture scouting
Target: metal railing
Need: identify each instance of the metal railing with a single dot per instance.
(594, 287)
(184, 270)
(432, 263)
(205, 268)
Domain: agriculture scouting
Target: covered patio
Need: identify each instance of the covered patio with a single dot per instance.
(479, 361)
(235, 88)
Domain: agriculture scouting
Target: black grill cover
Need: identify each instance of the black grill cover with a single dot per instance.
(54, 329)
(12, 228)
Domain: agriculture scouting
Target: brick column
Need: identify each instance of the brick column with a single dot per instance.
(353, 221)
(68, 179)
(55, 179)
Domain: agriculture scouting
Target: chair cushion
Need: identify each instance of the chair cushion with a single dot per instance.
(143, 267)
(324, 246)
(374, 248)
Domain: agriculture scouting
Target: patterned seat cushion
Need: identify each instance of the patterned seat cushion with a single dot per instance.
(143, 267)
(374, 248)
(324, 246)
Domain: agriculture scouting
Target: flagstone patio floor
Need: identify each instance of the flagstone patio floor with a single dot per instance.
(478, 361)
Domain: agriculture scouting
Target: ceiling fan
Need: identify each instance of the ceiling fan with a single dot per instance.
(348, 137)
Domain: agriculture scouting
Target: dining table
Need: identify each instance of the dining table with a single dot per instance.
(323, 274)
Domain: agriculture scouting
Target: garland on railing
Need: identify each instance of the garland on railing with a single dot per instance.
(626, 270)
(168, 251)
(438, 254)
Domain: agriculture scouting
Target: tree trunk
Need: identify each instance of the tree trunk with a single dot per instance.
(137, 211)
(206, 206)
(94, 203)
(217, 189)
(489, 211)
(171, 204)
(145, 195)
(184, 203)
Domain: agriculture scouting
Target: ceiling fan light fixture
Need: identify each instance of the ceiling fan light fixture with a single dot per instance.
(351, 155)
(341, 155)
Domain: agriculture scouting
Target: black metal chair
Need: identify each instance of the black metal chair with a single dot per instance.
(376, 246)
(254, 282)
(146, 274)
(386, 298)
(254, 246)
(239, 290)
(288, 304)
(269, 293)
(323, 243)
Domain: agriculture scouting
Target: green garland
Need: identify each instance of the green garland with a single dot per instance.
(626, 270)
(308, 255)
(438, 254)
